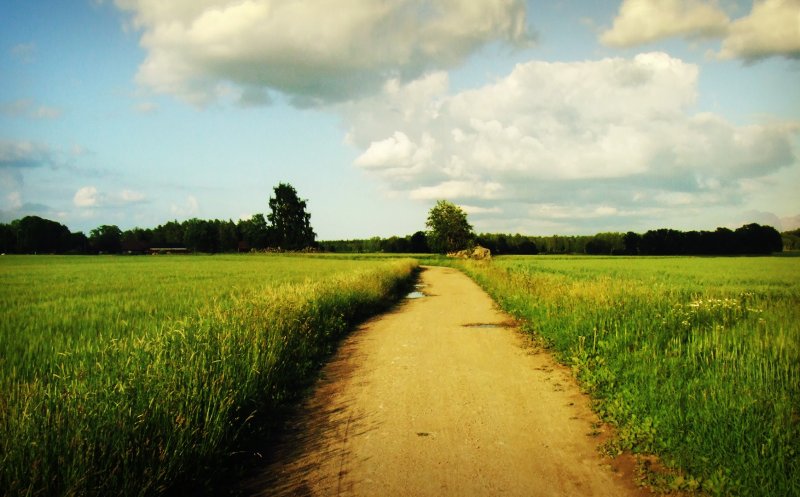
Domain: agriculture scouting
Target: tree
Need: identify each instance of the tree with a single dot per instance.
(419, 243)
(169, 234)
(449, 230)
(290, 224)
(756, 239)
(631, 242)
(78, 243)
(106, 238)
(135, 240)
(35, 234)
(200, 235)
(254, 231)
(8, 239)
(227, 236)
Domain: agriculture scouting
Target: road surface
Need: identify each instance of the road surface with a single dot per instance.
(442, 397)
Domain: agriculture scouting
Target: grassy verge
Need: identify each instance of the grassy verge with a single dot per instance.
(694, 359)
(134, 376)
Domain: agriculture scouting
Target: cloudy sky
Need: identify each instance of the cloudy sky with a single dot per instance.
(539, 117)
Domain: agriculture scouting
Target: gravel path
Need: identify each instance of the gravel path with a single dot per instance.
(442, 396)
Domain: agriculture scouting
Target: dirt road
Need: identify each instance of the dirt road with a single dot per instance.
(442, 397)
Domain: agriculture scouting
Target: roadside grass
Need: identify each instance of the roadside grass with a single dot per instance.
(139, 375)
(694, 359)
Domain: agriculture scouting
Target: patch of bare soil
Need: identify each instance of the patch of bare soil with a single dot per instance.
(443, 396)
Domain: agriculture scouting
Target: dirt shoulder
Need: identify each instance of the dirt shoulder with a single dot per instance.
(442, 397)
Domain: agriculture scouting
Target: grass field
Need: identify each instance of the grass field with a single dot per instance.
(135, 375)
(695, 359)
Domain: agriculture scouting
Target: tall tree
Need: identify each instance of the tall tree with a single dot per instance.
(106, 238)
(35, 234)
(449, 230)
(290, 224)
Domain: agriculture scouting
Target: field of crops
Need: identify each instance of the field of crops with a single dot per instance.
(130, 375)
(695, 359)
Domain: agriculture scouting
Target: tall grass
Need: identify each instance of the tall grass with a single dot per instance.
(135, 376)
(695, 359)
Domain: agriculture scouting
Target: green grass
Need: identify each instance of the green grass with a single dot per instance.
(694, 359)
(134, 376)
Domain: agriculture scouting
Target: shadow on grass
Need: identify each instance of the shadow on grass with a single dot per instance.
(266, 458)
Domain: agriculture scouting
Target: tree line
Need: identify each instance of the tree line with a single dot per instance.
(286, 227)
(410, 244)
(751, 239)
(33, 234)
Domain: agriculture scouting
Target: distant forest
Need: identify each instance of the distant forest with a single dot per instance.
(33, 234)
(751, 239)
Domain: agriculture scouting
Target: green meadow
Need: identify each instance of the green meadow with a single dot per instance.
(694, 359)
(138, 375)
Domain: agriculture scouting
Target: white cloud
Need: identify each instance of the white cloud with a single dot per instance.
(313, 51)
(397, 150)
(612, 138)
(397, 156)
(772, 28)
(550, 211)
(13, 200)
(131, 196)
(644, 21)
(475, 190)
(86, 196)
(476, 210)
(90, 196)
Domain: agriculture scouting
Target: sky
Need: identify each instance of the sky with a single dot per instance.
(538, 117)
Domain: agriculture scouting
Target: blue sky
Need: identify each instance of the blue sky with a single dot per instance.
(537, 117)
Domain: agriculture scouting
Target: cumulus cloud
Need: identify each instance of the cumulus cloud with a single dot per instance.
(612, 138)
(86, 196)
(644, 21)
(475, 210)
(772, 28)
(13, 201)
(476, 190)
(90, 196)
(313, 52)
(131, 196)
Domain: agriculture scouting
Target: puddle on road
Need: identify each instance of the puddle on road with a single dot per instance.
(485, 325)
(417, 294)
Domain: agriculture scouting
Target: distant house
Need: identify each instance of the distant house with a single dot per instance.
(168, 250)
